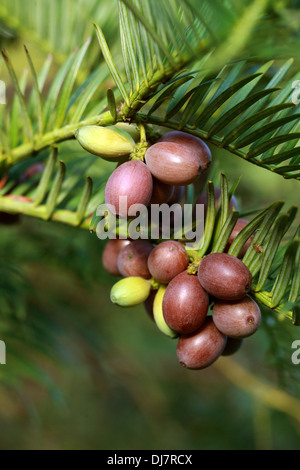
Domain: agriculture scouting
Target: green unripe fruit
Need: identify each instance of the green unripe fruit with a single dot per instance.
(110, 142)
(131, 129)
(158, 314)
(130, 291)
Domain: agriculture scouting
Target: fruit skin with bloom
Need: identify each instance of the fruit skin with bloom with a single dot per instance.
(185, 304)
(132, 259)
(173, 163)
(224, 276)
(158, 314)
(166, 260)
(197, 145)
(132, 180)
(130, 291)
(107, 142)
(237, 319)
(110, 255)
(202, 348)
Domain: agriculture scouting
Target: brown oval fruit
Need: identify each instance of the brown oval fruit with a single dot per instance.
(238, 319)
(110, 255)
(166, 260)
(240, 224)
(192, 143)
(132, 259)
(185, 306)
(224, 276)
(132, 180)
(173, 163)
(201, 348)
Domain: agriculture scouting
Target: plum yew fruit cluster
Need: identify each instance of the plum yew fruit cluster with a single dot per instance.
(210, 313)
(207, 309)
(169, 165)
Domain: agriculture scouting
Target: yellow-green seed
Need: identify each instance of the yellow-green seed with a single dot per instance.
(131, 129)
(107, 142)
(130, 291)
(158, 314)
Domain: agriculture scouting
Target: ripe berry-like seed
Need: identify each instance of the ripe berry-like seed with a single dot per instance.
(240, 224)
(110, 255)
(161, 192)
(238, 319)
(224, 276)
(166, 260)
(132, 259)
(173, 163)
(185, 305)
(232, 346)
(201, 348)
(132, 180)
(192, 143)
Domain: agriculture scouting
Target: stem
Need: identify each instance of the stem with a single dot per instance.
(51, 138)
(63, 216)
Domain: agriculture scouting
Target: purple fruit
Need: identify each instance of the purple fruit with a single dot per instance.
(224, 276)
(192, 143)
(238, 319)
(132, 259)
(185, 304)
(201, 348)
(132, 180)
(110, 255)
(167, 259)
(173, 163)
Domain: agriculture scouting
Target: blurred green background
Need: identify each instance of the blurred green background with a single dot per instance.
(82, 373)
